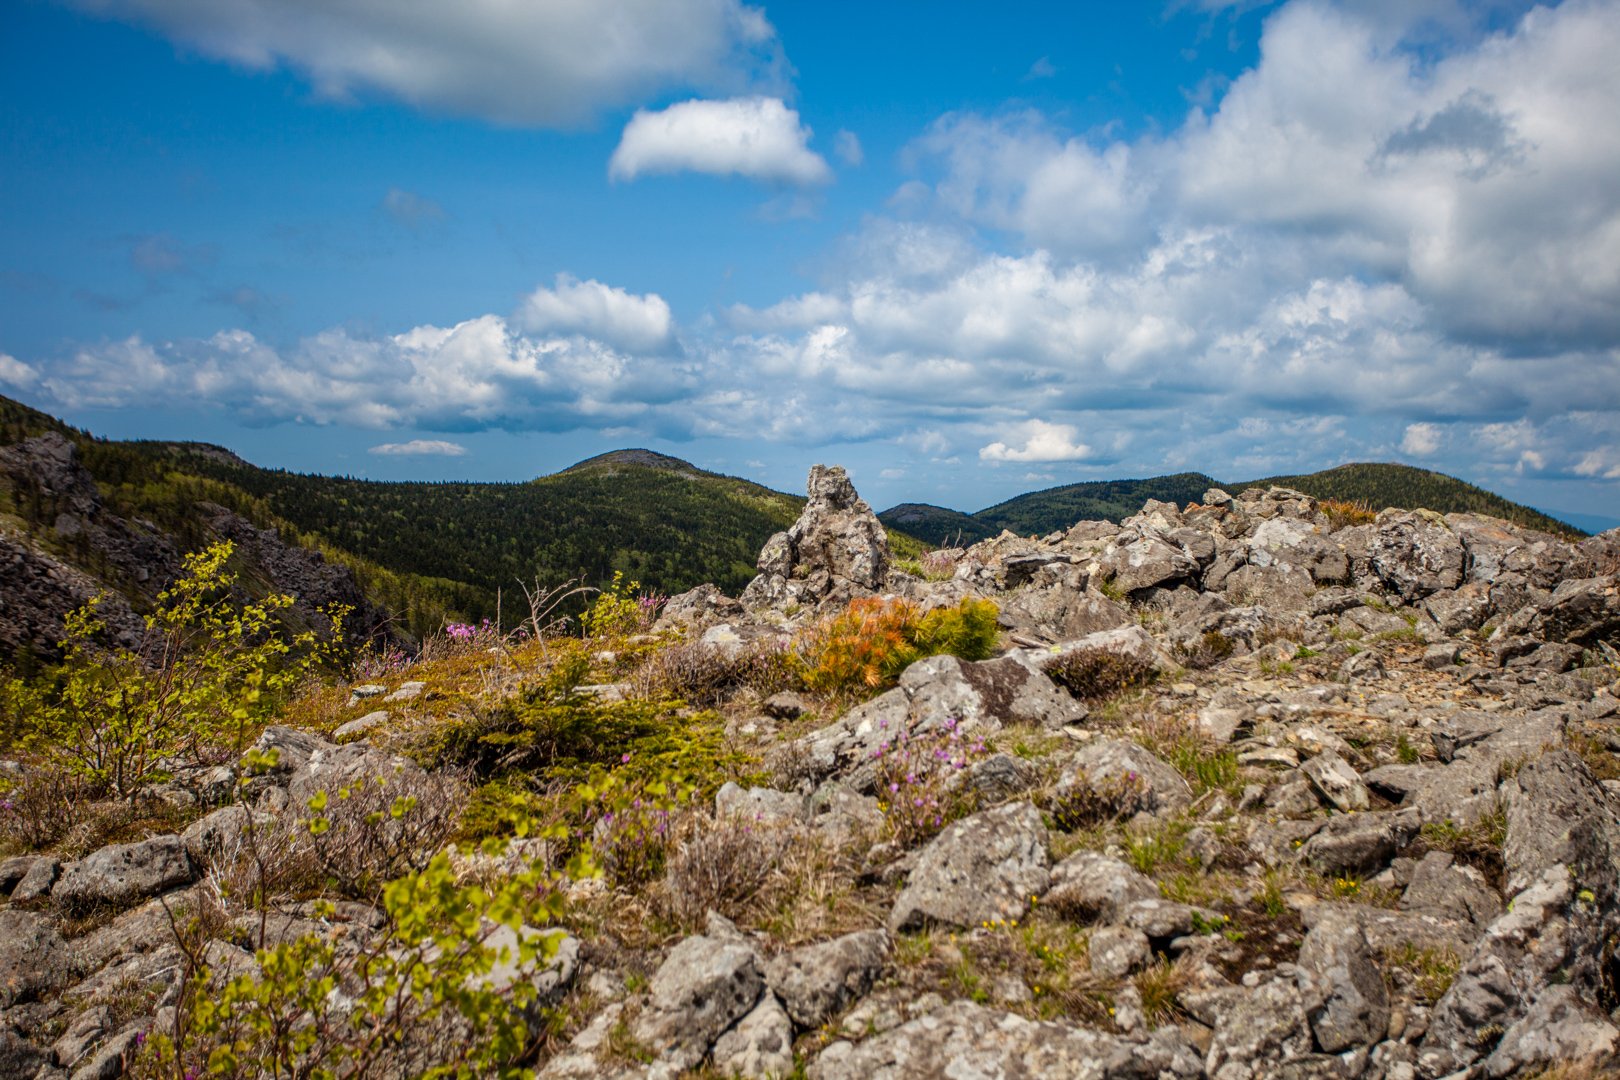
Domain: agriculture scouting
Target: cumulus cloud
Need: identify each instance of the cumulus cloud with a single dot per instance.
(756, 137)
(604, 312)
(1041, 441)
(15, 373)
(1420, 440)
(420, 448)
(554, 63)
(847, 145)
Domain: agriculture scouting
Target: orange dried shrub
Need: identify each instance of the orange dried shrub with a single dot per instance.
(868, 644)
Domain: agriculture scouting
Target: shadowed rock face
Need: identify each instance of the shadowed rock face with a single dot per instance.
(130, 561)
(836, 551)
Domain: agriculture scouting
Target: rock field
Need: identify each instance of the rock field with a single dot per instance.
(1356, 814)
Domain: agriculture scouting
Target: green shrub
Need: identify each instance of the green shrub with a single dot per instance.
(210, 671)
(418, 998)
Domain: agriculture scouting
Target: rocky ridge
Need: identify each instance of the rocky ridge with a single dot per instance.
(1358, 815)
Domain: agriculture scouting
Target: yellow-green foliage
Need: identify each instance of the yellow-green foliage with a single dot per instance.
(617, 610)
(869, 643)
(418, 996)
(210, 670)
(559, 727)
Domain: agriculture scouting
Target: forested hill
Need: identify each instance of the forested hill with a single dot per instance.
(666, 524)
(1375, 485)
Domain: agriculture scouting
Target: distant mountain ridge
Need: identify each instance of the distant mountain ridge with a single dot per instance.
(1377, 485)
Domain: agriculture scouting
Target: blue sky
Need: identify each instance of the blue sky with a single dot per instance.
(965, 249)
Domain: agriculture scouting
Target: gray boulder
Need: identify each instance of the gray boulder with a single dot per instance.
(817, 981)
(124, 874)
(1559, 1029)
(1120, 767)
(704, 986)
(1356, 1009)
(1089, 885)
(1415, 554)
(34, 960)
(759, 1046)
(1337, 781)
(988, 866)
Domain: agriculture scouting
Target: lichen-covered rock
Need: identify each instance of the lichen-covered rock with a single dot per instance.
(1416, 554)
(988, 866)
(816, 981)
(1120, 768)
(124, 874)
(1355, 1011)
(967, 1040)
(704, 986)
(1559, 1029)
(1090, 885)
(33, 957)
(759, 1046)
(1337, 781)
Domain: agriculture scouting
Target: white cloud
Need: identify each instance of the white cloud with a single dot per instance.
(15, 373)
(1420, 440)
(604, 312)
(847, 145)
(794, 313)
(1040, 69)
(1041, 442)
(410, 209)
(557, 62)
(757, 137)
(421, 448)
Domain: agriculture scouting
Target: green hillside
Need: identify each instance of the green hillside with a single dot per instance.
(1041, 512)
(669, 526)
(937, 525)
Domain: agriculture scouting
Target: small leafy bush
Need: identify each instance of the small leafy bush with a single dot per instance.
(621, 608)
(372, 831)
(868, 644)
(631, 822)
(919, 781)
(416, 998)
(1094, 675)
(210, 670)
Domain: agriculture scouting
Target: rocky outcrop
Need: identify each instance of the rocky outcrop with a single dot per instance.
(837, 550)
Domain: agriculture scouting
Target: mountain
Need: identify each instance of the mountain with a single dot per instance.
(938, 525)
(1376, 485)
(1108, 500)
